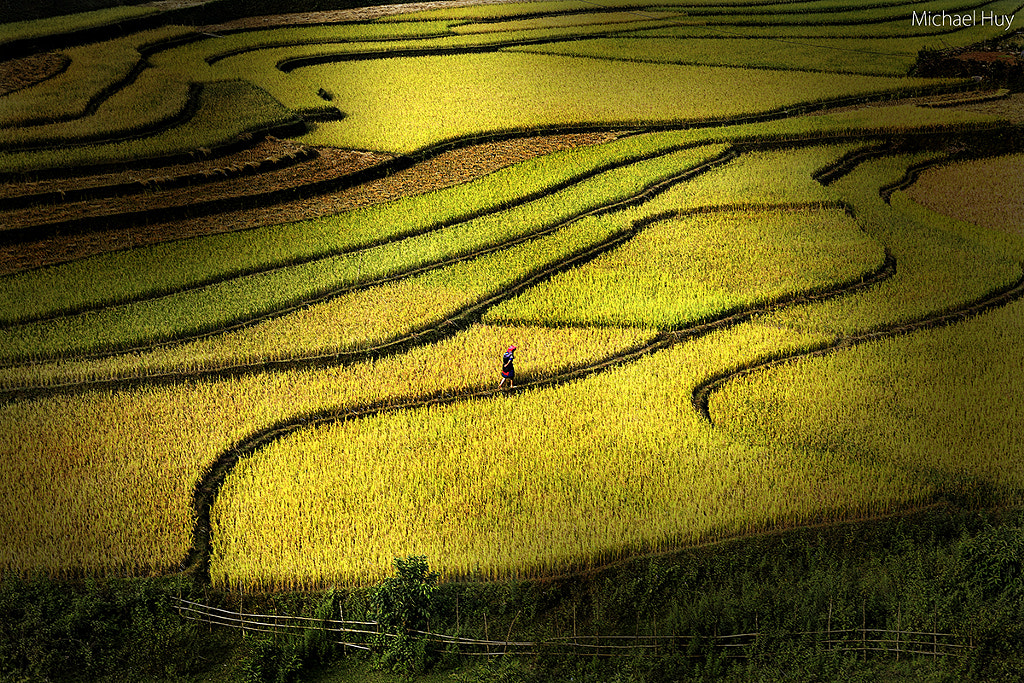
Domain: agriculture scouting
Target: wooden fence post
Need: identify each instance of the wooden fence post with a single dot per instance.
(899, 626)
(828, 633)
(864, 628)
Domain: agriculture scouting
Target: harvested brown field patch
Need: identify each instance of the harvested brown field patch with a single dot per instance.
(16, 74)
(289, 168)
(259, 150)
(985, 192)
(444, 170)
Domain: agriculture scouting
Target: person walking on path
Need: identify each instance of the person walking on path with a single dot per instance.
(508, 371)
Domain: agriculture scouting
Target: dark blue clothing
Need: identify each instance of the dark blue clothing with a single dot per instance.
(506, 365)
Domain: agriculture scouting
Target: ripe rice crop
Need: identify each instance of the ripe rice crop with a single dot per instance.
(547, 478)
(93, 68)
(953, 422)
(152, 99)
(568, 20)
(226, 303)
(691, 268)
(389, 109)
(243, 41)
(941, 264)
(102, 482)
(807, 55)
(491, 12)
(511, 497)
(371, 317)
(110, 278)
(225, 110)
(890, 119)
(773, 21)
(38, 28)
(760, 179)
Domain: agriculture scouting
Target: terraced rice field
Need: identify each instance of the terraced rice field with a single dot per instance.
(257, 280)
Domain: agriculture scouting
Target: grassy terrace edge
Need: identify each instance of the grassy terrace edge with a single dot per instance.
(208, 486)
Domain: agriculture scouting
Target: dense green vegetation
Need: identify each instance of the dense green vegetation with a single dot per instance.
(942, 570)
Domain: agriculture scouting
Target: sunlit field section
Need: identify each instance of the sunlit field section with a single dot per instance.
(375, 317)
(557, 21)
(513, 11)
(477, 541)
(102, 482)
(253, 56)
(779, 178)
(512, 497)
(761, 179)
(685, 270)
(953, 422)
(165, 268)
(587, 259)
(390, 109)
(940, 264)
(942, 405)
(239, 300)
(769, 53)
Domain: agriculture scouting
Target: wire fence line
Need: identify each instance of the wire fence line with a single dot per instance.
(357, 635)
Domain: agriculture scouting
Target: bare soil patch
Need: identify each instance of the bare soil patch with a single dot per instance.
(16, 74)
(987, 56)
(445, 170)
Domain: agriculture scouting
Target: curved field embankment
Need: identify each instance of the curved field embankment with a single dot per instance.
(193, 317)
(446, 168)
(455, 319)
(1001, 297)
(207, 487)
(834, 170)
